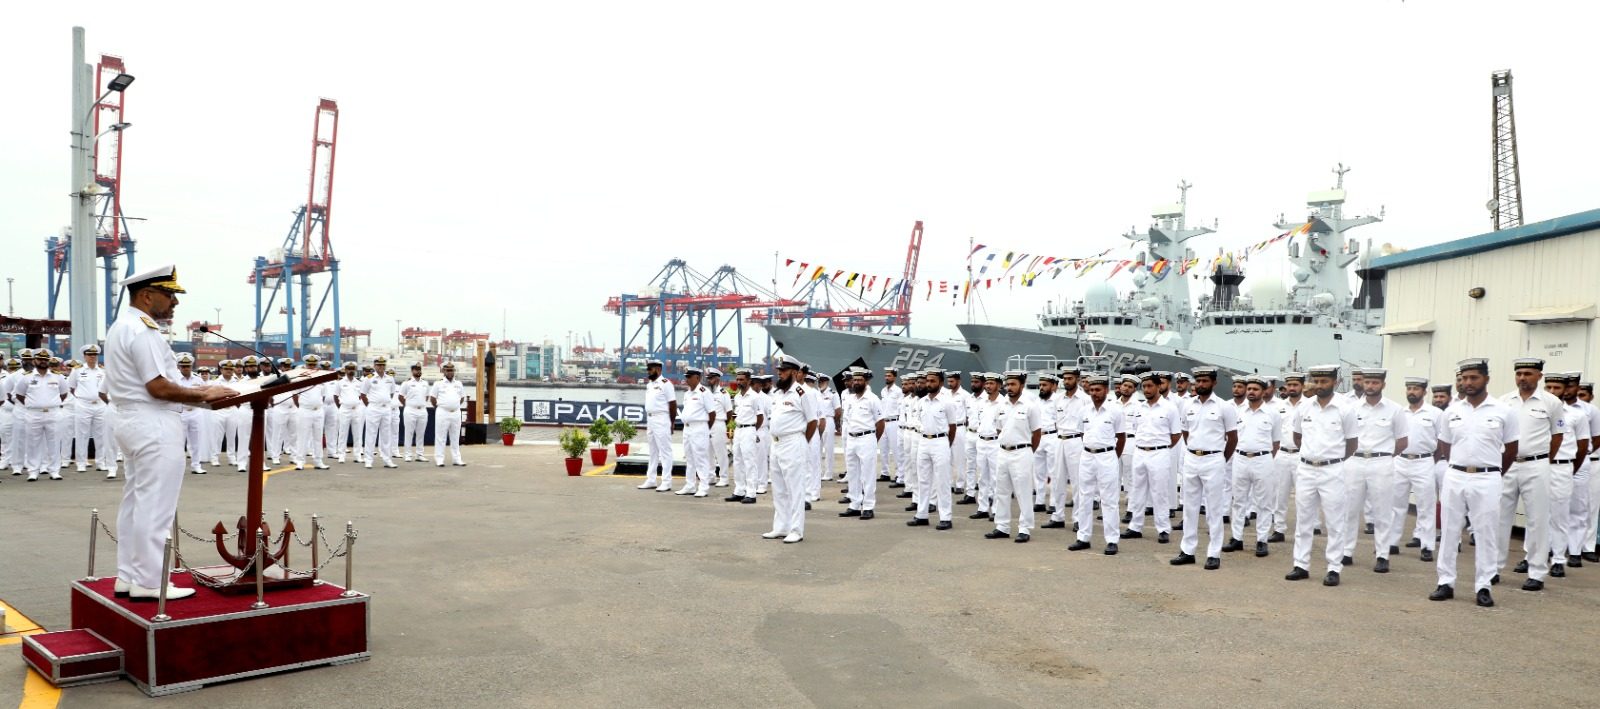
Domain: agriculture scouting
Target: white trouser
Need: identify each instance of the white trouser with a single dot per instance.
(1578, 510)
(218, 427)
(1320, 489)
(906, 470)
(696, 456)
(112, 451)
(330, 426)
(1474, 496)
(1528, 482)
(89, 422)
(1046, 465)
(789, 468)
(746, 471)
(1014, 478)
(194, 436)
(19, 438)
(1150, 488)
(380, 433)
(889, 450)
(763, 457)
(447, 435)
(861, 469)
(276, 421)
(1099, 474)
(350, 435)
(969, 472)
(393, 421)
(1413, 478)
(1252, 490)
(987, 471)
(958, 458)
(825, 447)
(719, 450)
(1124, 472)
(43, 444)
(1562, 478)
(64, 419)
(237, 435)
(310, 437)
(1369, 479)
(1069, 459)
(658, 431)
(416, 425)
(149, 439)
(933, 477)
(1284, 466)
(7, 438)
(1202, 485)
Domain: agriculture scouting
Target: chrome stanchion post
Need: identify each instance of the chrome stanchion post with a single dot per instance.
(316, 533)
(94, 533)
(261, 570)
(174, 537)
(349, 558)
(166, 581)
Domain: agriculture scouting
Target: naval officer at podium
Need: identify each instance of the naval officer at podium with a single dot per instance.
(142, 381)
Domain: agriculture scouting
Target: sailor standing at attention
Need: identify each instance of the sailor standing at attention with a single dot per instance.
(1369, 476)
(910, 436)
(1480, 441)
(1067, 414)
(1413, 471)
(761, 384)
(1542, 424)
(448, 396)
(829, 428)
(1260, 430)
(8, 421)
(40, 394)
(143, 388)
(193, 426)
(1020, 421)
(721, 407)
(88, 385)
(938, 417)
(986, 434)
(1287, 460)
(346, 396)
(1210, 435)
(1046, 461)
(889, 446)
(1160, 427)
(308, 407)
(1564, 470)
(660, 410)
(749, 412)
(378, 393)
(414, 397)
(969, 476)
(1325, 432)
(958, 451)
(794, 422)
(287, 420)
(697, 414)
(1105, 432)
(1582, 495)
(863, 426)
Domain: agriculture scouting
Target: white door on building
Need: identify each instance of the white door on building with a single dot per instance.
(1564, 346)
(1410, 355)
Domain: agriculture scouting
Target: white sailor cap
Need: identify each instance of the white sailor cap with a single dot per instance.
(862, 372)
(1069, 369)
(1479, 364)
(953, 374)
(185, 358)
(250, 360)
(1091, 379)
(286, 362)
(1254, 379)
(1324, 370)
(1182, 376)
(713, 373)
(1048, 377)
(1586, 386)
(228, 364)
(1437, 388)
(1358, 372)
(1294, 377)
(380, 359)
(43, 353)
(1528, 363)
(810, 376)
(746, 371)
(24, 353)
(312, 359)
(653, 363)
(687, 371)
(891, 370)
(934, 372)
(1150, 376)
(762, 377)
(447, 366)
(163, 277)
(1375, 373)
(90, 349)
(1562, 377)
(1417, 382)
(1128, 378)
(1205, 371)
(1016, 374)
(784, 361)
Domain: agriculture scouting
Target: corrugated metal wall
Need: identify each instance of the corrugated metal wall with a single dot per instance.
(1559, 272)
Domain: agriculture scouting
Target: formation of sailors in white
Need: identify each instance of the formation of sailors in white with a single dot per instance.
(54, 413)
(1172, 445)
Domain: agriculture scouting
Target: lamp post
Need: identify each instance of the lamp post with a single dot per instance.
(83, 191)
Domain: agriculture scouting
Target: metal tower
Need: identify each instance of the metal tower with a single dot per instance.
(113, 239)
(1505, 208)
(681, 324)
(306, 250)
(889, 314)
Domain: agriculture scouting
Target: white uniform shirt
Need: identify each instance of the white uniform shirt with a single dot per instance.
(193, 381)
(1478, 434)
(961, 399)
(1069, 410)
(380, 390)
(829, 405)
(1422, 435)
(696, 406)
(722, 405)
(792, 410)
(139, 353)
(658, 393)
(311, 399)
(763, 403)
(861, 413)
(987, 412)
(449, 394)
(1577, 428)
(348, 390)
(1018, 420)
(1540, 417)
(1157, 423)
(1259, 428)
(747, 408)
(1324, 429)
(414, 390)
(890, 397)
(86, 383)
(1381, 425)
(40, 391)
(1101, 425)
(1287, 411)
(937, 413)
(1208, 423)
(1594, 428)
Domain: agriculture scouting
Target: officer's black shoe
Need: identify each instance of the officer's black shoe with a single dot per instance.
(1069, 502)
(844, 500)
(808, 507)
(943, 525)
(748, 500)
(1332, 579)
(1213, 563)
(1591, 556)
(1251, 518)
(1347, 561)
(1275, 537)
(911, 507)
(1533, 585)
(1127, 517)
(1202, 510)
(884, 478)
(1522, 567)
(1074, 527)
(1111, 549)
(1097, 504)
(1023, 538)
(1078, 545)
(997, 534)
(967, 500)
(1558, 571)
(1316, 531)
(1484, 599)
(1177, 526)
(850, 513)
(897, 484)
(1574, 562)
(1233, 545)
(1130, 534)
(1442, 593)
(1050, 509)
(1038, 508)
(1494, 580)
(1227, 520)
(1261, 549)
(867, 514)
(1414, 543)
(1298, 574)
(1053, 524)
(733, 498)
(1381, 567)
(917, 522)
(903, 495)
(1369, 528)
(1393, 550)
(1472, 539)
(1427, 555)
(1181, 559)
(1163, 538)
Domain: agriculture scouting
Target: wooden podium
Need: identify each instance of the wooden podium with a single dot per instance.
(258, 394)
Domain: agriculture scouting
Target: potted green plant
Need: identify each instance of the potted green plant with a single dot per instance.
(600, 435)
(624, 431)
(508, 429)
(574, 442)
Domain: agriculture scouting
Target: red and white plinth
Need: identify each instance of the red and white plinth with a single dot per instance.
(214, 637)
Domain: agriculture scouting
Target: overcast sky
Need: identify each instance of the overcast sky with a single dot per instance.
(536, 158)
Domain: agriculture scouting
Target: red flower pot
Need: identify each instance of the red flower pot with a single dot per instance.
(597, 456)
(574, 467)
(508, 438)
(622, 449)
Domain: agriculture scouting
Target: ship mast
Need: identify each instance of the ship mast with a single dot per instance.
(1164, 241)
(1320, 282)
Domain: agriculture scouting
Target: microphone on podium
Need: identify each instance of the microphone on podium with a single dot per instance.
(273, 365)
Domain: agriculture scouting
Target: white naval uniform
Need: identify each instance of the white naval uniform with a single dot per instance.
(889, 446)
(1540, 418)
(764, 444)
(722, 405)
(658, 393)
(1100, 470)
(1414, 476)
(1563, 478)
(935, 416)
(414, 420)
(862, 416)
(1472, 484)
(696, 441)
(280, 427)
(958, 452)
(41, 396)
(150, 435)
(1046, 458)
(1152, 463)
(1369, 474)
(792, 412)
(380, 391)
(1319, 480)
(330, 419)
(1206, 425)
(1067, 410)
(1580, 527)
(983, 414)
(824, 419)
(194, 432)
(449, 397)
(1260, 431)
(911, 442)
(66, 418)
(969, 474)
(310, 428)
(1284, 465)
(89, 417)
(216, 425)
(1014, 477)
(8, 420)
(749, 412)
(830, 406)
(352, 420)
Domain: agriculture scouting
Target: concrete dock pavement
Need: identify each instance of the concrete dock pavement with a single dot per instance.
(507, 583)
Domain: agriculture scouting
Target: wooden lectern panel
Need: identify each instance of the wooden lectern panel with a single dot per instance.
(266, 386)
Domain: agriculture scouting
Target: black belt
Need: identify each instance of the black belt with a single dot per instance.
(1099, 450)
(1476, 469)
(933, 435)
(1049, 432)
(1562, 462)
(1068, 436)
(1155, 448)
(1359, 454)
(988, 438)
(1203, 453)
(1253, 454)
(861, 433)
(1416, 456)
(745, 425)
(891, 418)
(1531, 458)
(1288, 450)
(1322, 463)
(1019, 446)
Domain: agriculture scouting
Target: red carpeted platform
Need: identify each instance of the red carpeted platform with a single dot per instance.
(213, 637)
(69, 658)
